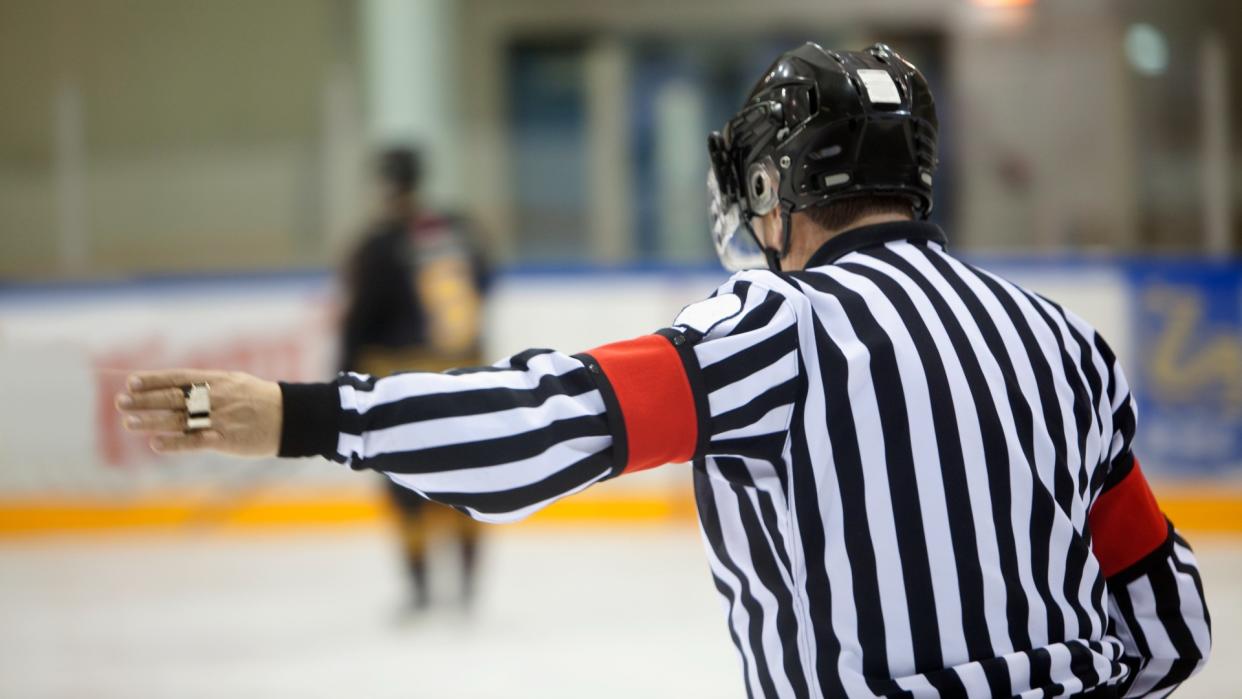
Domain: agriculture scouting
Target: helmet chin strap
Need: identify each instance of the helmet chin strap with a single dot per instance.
(774, 259)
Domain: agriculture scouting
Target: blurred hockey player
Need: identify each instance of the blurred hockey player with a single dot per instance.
(414, 288)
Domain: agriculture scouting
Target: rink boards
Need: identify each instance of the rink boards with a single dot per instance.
(65, 349)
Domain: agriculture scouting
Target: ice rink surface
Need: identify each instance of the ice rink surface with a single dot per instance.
(598, 612)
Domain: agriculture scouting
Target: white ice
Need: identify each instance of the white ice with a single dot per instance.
(600, 612)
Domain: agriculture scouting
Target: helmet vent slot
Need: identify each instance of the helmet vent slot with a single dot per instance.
(836, 180)
(824, 153)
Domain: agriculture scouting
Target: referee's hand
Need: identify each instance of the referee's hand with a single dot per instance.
(245, 411)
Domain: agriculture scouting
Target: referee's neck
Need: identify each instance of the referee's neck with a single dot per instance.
(807, 237)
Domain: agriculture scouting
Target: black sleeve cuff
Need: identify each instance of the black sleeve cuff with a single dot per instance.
(684, 345)
(1118, 469)
(310, 425)
(612, 409)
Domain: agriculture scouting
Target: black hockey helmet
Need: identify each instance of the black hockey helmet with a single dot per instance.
(820, 126)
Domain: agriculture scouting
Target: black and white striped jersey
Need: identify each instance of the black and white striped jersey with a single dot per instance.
(913, 477)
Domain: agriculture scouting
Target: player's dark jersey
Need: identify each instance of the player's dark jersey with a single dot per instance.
(913, 478)
(394, 288)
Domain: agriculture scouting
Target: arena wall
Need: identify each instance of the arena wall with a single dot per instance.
(65, 351)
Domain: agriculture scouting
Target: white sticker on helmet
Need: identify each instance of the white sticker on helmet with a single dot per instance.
(704, 315)
(880, 86)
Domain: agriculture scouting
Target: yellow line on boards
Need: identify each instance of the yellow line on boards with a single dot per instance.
(1197, 509)
(65, 515)
(1203, 510)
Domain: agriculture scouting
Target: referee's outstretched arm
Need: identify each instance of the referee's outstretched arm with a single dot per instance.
(502, 441)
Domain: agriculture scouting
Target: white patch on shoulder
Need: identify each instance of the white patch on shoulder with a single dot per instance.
(704, 315)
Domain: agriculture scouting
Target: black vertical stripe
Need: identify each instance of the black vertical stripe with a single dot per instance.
(810, 525)
(709, 515)
(1074, 377)
(1043, 505)
(1125, 605)
(767, 567)
(1192, 572)
(767, 510)
(1041, 667)
(727, 592)
(995, 452)
(843, 437)
(1110, 363)
(1095, 382)
(1164, 586)
(1079, 553)
(1099, 596)
(1082, 664)
(1055, 431)
(895, 428)
(953, 468)
(1045, 385)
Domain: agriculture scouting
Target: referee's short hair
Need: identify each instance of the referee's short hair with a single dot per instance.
(840, 214)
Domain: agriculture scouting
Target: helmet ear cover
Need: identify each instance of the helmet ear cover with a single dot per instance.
(763, 184)
(763, 195)
(756, 189)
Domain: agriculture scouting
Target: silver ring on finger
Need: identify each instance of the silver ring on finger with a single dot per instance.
(197, 407)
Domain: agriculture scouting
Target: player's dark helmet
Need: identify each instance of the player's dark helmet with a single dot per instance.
(400, 168)
(820, 126)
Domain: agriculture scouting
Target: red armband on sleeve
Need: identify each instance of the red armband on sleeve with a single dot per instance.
(1126, 523)
(654, 398)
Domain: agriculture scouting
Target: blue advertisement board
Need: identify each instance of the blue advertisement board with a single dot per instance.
(1187, 368)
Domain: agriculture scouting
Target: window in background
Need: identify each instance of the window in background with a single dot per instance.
(147, 136)
(547, 126)
(1185, 92)
(680, 90)
(673, 91)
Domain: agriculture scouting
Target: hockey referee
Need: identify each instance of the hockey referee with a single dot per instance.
(914, 478)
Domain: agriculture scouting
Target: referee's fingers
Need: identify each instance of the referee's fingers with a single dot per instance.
(161, 399)
(168, 378)
(156, 421)
(191, 441)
